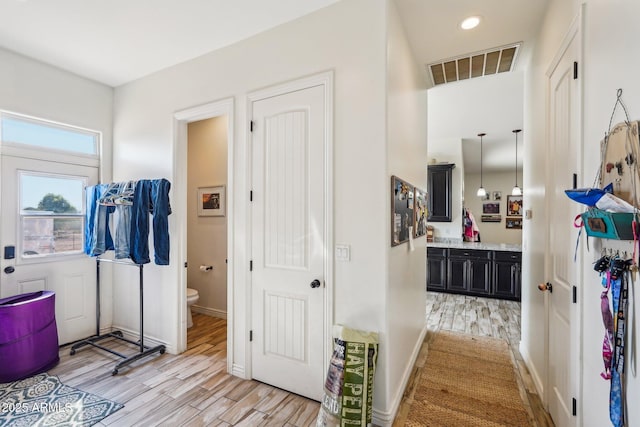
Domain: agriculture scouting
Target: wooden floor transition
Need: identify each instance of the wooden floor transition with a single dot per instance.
(193, 388)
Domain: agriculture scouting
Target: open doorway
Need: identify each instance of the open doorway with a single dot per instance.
(203, 204)
(207, 227)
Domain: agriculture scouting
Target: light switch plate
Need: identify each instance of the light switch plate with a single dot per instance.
(528, 214)
(343, 252)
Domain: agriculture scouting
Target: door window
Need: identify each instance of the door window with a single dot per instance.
(51, 214)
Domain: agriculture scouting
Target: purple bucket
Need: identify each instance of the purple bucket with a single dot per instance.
(28, 335)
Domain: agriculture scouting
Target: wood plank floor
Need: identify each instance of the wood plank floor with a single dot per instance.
(481, 317)
(190, 389)
(193, 389)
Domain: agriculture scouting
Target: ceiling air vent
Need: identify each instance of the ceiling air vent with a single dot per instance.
(498, 60)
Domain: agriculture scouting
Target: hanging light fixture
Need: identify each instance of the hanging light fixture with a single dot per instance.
(517, 191)
(481, 191)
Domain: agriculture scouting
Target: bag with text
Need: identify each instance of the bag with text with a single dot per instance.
(348, 389)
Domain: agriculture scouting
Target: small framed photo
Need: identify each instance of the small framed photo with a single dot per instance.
(487, 196)
(514, 206)
(491, 218)
(491, 208)
(514, 223)
(211, 201)
(497, 195)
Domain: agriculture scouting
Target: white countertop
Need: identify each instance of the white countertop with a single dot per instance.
(477, 245)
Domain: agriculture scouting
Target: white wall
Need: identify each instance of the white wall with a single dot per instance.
(449, 150)
(207, 235)
(406, 158)
(492, 232)
(354, 48)
(609, 63)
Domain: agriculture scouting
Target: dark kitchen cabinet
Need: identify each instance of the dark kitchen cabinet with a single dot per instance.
(476, 272)
(437, 268)
(469, 271)
(506, 274)
(439, 182)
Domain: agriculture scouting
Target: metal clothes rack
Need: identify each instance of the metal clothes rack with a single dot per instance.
(143, 351)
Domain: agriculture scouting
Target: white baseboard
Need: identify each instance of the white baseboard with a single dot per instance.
(209, 311)
(238, 371)
(148, 341)
(537, 381)
(386, 418)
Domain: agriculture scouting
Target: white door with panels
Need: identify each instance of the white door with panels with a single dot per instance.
(288, 248)
(41, 236)
(565, 154)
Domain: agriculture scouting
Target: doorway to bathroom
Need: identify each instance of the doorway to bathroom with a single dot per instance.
(203, 203)
(206, 270)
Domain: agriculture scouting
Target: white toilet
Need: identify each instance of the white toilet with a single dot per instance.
(192, 298)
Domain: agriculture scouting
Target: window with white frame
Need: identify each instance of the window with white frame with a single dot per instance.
(52, 210)
(28, 132)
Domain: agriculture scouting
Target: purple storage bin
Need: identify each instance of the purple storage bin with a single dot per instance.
(28, 335)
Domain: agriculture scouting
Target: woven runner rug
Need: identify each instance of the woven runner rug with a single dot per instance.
(467, 381)
(42, 400)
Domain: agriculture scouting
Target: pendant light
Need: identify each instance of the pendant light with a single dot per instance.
(481, 191)
(517, 191)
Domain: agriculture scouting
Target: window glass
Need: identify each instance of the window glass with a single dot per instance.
(51, 214)
(19, 130)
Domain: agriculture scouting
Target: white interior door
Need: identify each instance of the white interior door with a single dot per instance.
(42, 206)
(288, 245)
(565, 154)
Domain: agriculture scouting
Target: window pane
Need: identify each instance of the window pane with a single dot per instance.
(49, 195)
(47, 235)
(41, 134)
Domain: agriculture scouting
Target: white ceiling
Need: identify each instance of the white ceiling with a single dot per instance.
(117, 41)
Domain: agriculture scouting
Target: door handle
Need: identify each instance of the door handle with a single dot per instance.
(315, 284)
(9, 269)
(543, 287)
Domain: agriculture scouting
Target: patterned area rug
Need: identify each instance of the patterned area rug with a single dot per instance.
(43, 400)
(467, 381)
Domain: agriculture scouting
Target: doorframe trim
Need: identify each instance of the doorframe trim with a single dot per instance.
(574, 32)
(324, 79)
(181, 119)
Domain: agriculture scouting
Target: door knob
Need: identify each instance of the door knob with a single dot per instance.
(543, 287)
(315, 283)
(9, 270)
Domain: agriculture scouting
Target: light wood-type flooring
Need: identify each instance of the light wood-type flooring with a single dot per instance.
(193, 388)
(190, 389)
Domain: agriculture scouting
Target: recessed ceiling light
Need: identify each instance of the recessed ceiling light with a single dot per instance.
(470, 22)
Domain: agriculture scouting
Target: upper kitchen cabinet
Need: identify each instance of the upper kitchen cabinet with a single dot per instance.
(439, 192)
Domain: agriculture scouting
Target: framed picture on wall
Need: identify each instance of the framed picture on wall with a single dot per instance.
(514, 205)
(514, 223)
(211, 201)
(491, 208)
(491, 218)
